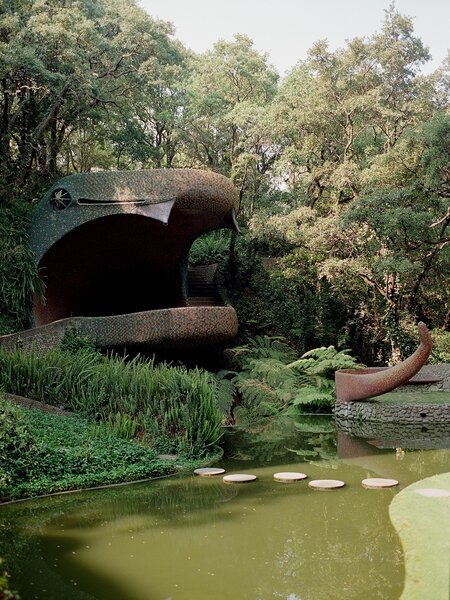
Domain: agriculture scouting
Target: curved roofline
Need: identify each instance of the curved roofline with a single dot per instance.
(81, 198)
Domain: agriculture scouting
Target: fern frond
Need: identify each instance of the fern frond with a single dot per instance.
(254, 392)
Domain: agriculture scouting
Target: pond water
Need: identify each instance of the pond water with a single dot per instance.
(193, 538)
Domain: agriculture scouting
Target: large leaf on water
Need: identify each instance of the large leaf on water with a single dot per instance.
(423, 524)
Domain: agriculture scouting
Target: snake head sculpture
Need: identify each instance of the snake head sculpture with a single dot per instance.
(112, 249)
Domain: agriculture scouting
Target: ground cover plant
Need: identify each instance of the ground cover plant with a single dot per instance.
(43, 453)
(169, 408)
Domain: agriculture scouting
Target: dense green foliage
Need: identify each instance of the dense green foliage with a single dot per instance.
(170, 408)
(268, 379)
(44, 453)
(18, 276)
(341, 166)
(283, 296)
(210, 248)
(441, 346)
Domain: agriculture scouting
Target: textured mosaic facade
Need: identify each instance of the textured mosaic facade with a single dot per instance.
(188, 327)
(112, 249)
(81, 198)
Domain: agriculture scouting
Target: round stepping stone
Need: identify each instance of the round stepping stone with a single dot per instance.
(433, 493)
(289, 476)
(209, 472)
(376, 483)
(239, 478)
(326, 484)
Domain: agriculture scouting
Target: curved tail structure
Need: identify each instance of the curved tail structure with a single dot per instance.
(359, 384)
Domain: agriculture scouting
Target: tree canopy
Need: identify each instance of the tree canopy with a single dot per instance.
(342, 166)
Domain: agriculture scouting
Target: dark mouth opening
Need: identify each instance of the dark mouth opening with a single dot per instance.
(116, 265)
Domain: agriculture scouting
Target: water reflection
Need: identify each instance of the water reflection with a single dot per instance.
(414, 436)
(196, 538)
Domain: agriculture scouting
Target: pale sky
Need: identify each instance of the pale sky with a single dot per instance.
(286, 29)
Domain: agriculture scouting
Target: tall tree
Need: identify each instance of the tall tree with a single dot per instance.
(337, 110)
(64, 65)
(230, 90)
(149, 124)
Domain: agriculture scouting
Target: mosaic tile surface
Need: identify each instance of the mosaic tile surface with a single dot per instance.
(187, 327)
(80, 198)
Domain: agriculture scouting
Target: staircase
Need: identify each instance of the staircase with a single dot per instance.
(202, 290)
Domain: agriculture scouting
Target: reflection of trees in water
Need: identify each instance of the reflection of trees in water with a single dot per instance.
(408, 466)
(333, 543)
(29, 530)
(310, 437)
(418, 462)
(340, 551)
(44, 528)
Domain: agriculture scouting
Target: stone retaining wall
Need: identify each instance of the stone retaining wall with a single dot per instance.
(375, 410)
(393, 413)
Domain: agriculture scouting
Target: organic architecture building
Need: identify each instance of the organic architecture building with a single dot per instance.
(112, 249)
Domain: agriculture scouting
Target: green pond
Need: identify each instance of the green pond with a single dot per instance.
(195, 538)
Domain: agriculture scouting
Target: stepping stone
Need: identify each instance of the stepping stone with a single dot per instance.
(209, 472)
(376, 483)
(289, 476)
(326, 484)
(239, 478)
(433, 493)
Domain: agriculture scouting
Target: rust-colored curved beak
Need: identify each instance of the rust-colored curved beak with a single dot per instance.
(359, 384)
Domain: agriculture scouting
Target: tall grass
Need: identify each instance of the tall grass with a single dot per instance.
(170, 407)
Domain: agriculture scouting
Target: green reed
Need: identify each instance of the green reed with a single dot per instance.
(168, 407)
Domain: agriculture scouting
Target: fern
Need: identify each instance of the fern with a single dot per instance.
(269, 381)
(312, 395)
(226, 391)
(260, 347)
(255, 392)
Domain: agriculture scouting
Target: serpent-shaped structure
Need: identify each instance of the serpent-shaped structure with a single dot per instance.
(112, 249)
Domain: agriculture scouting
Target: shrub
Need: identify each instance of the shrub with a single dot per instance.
(284, 296)
(72, 342)
(44, 453)
(17, 448)
(212, 247)
(441, 346)
(5, 592)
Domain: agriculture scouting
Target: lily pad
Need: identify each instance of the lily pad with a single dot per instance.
(422, 521)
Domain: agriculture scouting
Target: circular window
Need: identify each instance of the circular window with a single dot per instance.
(60, 199)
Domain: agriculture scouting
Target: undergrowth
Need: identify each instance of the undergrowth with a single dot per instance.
(5, 591)
(267, 379)
(212, 247)
(170, 408)
(43, 453)
(18, 275)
